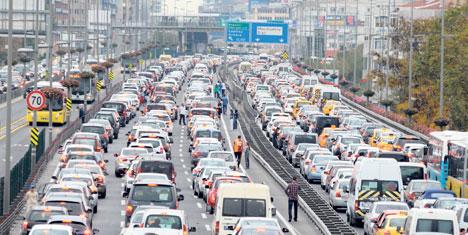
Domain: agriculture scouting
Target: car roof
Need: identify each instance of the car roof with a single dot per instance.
(73, 218)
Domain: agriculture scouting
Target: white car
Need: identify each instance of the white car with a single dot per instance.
(52, 229)
(225, 155)
(158, 147)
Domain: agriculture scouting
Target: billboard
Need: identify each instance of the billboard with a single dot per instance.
(337, 20)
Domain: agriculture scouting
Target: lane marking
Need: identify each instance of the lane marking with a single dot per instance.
(122, 224)
(13, 123)
(122, 185)
(122, 213)
(189, 180)
(181, 145)
(186, 172)
(122, 202)
(184, 166)
(182, 160)
(199, 205)
(203, 215)
(208, 228)
(14, 130)
(180, 154)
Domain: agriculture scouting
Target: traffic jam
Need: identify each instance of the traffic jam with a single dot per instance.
(130, 143)
(380, 180)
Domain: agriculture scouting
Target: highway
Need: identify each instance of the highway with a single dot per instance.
(20, 131)
(111, 211)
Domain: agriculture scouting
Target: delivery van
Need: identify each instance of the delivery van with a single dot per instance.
(240, 200)
(431, 221)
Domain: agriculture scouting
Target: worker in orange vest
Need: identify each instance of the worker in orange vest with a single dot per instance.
(238, 148)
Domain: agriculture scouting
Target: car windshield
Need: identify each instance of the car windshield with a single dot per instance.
(211, 163)
(91, 142)
(155, 193)
(73, 208)
(155, 143)
(434, 226)
(226, 156)
(81, 157)
(134, 151)
(93, 129)
(163, 221)
(421, 186)
(242, 207)
(409, 173)
(43, 215)
(53, 231)
(226, 181)
(350, 141)
(208, 147)
(448, 204)
(305, 139)
(118, 107)
(440, 195)
(380, 208)
(397, 222)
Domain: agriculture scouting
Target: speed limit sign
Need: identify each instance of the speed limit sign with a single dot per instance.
(35, 100)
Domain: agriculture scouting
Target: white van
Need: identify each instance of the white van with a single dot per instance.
(412, 171)
(240, 200)
(431, 221)
(373, 179)
(309, 80)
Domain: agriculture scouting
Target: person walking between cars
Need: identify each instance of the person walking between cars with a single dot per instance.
(238, 148)
(216, 90)
(183, 113)
(225, 104)
(247, 155)
(81, 113)
(31, 198)
(293, 195)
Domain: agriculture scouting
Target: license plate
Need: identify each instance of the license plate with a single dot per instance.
(365, 205)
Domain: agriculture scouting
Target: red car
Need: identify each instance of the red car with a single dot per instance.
(213, 190)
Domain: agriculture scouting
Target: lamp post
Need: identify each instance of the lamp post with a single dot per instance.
(441, 88)
(355, 43)
(369, 63)
(410, 72)
(344, 40)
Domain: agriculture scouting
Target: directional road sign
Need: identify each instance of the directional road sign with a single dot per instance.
(35, 100)
(269, 33)
(237, 32)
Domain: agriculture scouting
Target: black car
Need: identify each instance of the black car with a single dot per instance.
(40, 215)
(79, 224)
(202, 150)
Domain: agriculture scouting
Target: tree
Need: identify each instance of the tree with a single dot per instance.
(368, 94)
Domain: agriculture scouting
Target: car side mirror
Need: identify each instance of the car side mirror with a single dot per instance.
(285, 230)
(171, 141)
(192, 229)
(273, 211)
(106, 161)
(95, 231)
(89, 211)
(124, 194)
(272, 199)
(399, 229)
(116, 155)
(136, 225)
(54, 177)
(230, 227)
(127, 133)
(178, 190)
(207, 186)
(180, 198)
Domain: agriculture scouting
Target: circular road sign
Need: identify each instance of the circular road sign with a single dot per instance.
(35, 100)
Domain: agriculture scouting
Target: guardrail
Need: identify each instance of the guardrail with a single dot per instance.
(7, 220)
(318, 210)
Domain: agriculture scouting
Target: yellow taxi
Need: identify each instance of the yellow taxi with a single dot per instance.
(377, 133)
(325, 133)
(329, 105)
(388, 224)
(386, 142)
(298, 105)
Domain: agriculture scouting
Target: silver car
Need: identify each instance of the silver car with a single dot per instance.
(338, 197)
(378, 207)
(123, 160)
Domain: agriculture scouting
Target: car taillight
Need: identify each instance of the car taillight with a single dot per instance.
(307, 162)
(122, 159)
(87, 232)
(166, 147)
(173, 176)
(313, 169)
(130, 137)
(397, 148)
(196, 154)
(283, 136)
(338, 193)
(129, 209)
(98, 148)
(130, 173)
(168, 123)
(204, 182)
(63, 158)
(425, 175)
(217, 227)
(83, 215)
(185, 230)
(356, 205)
(411, 197)
(102, 164)
(100, 180)
(105, 134)
(25, 225)
(291, 148)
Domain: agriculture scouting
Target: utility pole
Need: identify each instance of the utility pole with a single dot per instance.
(50, 45)
(316, 41)
(6, 181)
(70, 2)
(325, 22)
(441, 89)
(410, 61)
(355, 43)
(344, 41)
(335, 44)
(369, 63)
(36, 77)
(24, 25)
(97, 31)
(387, 74)
(85, 95)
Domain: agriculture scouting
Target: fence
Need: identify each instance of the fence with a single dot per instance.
(20, 173)
(32, 176)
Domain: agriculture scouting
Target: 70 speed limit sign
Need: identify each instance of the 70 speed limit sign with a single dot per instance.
(35, 100)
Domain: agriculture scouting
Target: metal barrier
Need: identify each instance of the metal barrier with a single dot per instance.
(31, 177)
(326, 219)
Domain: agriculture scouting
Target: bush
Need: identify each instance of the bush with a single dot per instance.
(333, 76)
(52, 93)
(354, 89)
(87, 75)
(410, 112)
(69, 83)
(369, 93)
(325, 73)
(442, 121)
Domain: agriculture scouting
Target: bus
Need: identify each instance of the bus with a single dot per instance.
(245, 67)
(457, 153)
(77, 94)
(436, 159)
(59, 111)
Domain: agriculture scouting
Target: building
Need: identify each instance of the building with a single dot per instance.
(272, 12)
